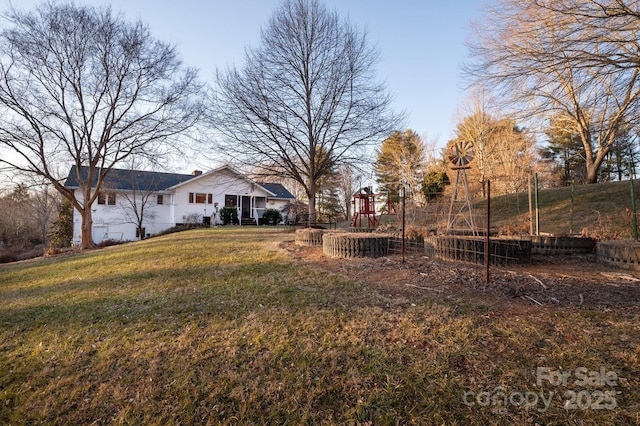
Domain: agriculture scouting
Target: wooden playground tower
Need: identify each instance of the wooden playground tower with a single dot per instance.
(364, 208)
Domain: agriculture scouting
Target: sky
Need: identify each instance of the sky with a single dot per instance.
(421, 43)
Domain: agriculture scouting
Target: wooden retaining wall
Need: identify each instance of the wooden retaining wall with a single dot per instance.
(360, 230)
(349, 245)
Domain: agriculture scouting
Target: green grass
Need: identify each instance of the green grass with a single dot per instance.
(219, 327)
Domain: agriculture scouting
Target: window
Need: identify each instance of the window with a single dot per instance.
(200, 198)
(230, 201)
(107, 198)
(160, 199)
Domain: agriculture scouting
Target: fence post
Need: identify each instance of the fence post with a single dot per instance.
(571, 213)
(633, 206)
(487, 239)
(404, 205)
(535, 185)
(530, 207)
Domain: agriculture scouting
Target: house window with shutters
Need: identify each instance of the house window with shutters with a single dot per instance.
(200, 198)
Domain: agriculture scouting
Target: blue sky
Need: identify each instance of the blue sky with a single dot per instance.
(421, 43)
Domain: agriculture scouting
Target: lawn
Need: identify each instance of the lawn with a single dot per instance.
(219, 326)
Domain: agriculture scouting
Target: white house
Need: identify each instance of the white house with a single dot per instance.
(170, 199)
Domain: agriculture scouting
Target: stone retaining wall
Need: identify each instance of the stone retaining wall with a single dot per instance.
(348, 245)
(309, 237)
(546, 244)
(623, 254)
(471, 249)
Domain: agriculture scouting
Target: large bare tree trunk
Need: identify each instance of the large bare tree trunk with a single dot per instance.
(312, 203)
(86, 230)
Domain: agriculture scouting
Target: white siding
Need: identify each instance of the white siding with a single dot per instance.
(218, 184)
(119, 223)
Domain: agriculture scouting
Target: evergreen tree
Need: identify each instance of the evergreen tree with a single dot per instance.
(433, 185)
(565, 152)
(61, 232)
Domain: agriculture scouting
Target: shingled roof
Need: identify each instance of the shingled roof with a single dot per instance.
(278, 189)
(125, 179)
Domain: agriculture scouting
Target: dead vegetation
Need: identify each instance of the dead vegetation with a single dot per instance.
(568, 281)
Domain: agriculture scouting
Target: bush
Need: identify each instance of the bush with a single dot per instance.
(433, 185)
(61, 232)
(7, 256)
(229, 215)
(271, 217)
(109, 243)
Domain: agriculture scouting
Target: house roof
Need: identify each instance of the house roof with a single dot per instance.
(210, 172)
(125, 179)
(278, 190)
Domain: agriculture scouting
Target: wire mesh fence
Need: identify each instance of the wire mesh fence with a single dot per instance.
(602, 211)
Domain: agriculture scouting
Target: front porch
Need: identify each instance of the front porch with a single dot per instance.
(250, 208)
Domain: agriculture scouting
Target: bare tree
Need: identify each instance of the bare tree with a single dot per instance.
(401, 162)
(26, 212)
(139, 197)
(567, 58)
(80, 86)
(505, 153)
(306, 99)
(347, 187)
(45, 205)
(476, 126)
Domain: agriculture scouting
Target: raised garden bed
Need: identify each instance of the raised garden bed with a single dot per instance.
(348, 245)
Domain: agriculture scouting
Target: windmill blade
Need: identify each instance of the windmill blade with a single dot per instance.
(460, 153)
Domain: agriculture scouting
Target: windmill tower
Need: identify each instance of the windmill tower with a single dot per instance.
(460, 154)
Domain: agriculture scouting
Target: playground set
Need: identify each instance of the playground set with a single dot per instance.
(364, 206)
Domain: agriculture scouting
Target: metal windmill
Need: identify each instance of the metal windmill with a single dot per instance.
(460, 154)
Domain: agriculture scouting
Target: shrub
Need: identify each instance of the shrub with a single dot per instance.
(7, 256)
(271, 217)
(109, 243)
(229, 215)
(62, 228)
(433, 185)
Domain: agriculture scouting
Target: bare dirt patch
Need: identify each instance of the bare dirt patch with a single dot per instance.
(568, 281)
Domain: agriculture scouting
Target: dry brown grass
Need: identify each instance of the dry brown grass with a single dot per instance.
(219, 327)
